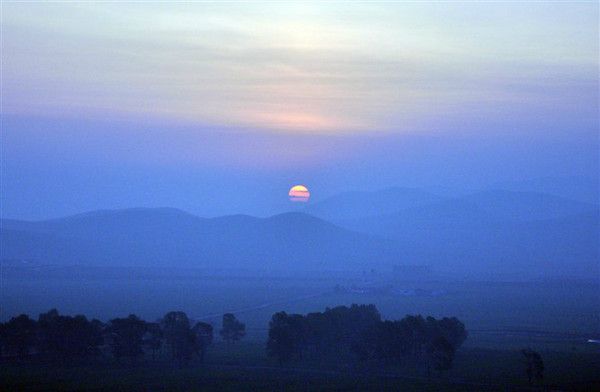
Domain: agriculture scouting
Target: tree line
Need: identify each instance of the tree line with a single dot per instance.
(341, 333)
(338, 333)
(64, 338)
(358, 331)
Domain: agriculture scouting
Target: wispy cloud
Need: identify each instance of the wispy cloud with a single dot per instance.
(297, 67)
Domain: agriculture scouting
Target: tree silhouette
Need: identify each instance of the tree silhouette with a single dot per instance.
(358, 330)
(203, 338)
(67, 338)
(534, 365)
(19, 335)
(126, 337)
(338, 333)
(233, 329)
(2, 340)
(441, 354)
(453, 330)
(153, 338)
(179, 336)
(282, 343)
(444, 337)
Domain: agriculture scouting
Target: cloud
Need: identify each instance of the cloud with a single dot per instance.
(299, 68)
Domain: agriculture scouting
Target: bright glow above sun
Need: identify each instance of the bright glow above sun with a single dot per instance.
(299, 193)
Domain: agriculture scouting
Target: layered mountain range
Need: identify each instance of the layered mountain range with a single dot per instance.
(492, 231)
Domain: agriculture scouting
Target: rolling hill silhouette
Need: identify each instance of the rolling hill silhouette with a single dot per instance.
(487, 232)
(173, 237)
(356, 204)
(523, 232)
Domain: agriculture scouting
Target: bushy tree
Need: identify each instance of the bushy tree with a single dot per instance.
(534, 365)
(67, 337)
(153, 338)
(329, 333)
(385, 341)
(440, 354)
(452, 329)
(19, 335)
(233, 330)
(179, 336)
(126, 336)
(284, 336)
(2, 339)
(358, 329)
(203, 333)
(444, 337)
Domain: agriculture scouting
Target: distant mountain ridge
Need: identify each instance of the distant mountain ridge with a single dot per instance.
(484, 232)
(521, 231)
(365, 203)
(520, 205)
(579, 188)
(169, 236)
(496, 202)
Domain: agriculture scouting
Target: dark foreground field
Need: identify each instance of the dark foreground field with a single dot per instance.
(554, 318)
(244, 366)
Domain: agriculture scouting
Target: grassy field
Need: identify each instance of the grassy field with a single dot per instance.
(205, 378)
(489, 359)
(245, 367)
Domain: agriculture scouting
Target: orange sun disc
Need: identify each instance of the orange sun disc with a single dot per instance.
(299, 193)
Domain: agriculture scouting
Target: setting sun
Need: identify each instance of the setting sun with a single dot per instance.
(299, 193)
(452, 148)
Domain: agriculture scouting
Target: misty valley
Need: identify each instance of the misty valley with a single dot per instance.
(299, 195)
(468, 257)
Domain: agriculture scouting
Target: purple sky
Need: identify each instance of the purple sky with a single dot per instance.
(220, 109)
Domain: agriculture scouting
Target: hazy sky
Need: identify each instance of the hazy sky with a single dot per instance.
(220, 107)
